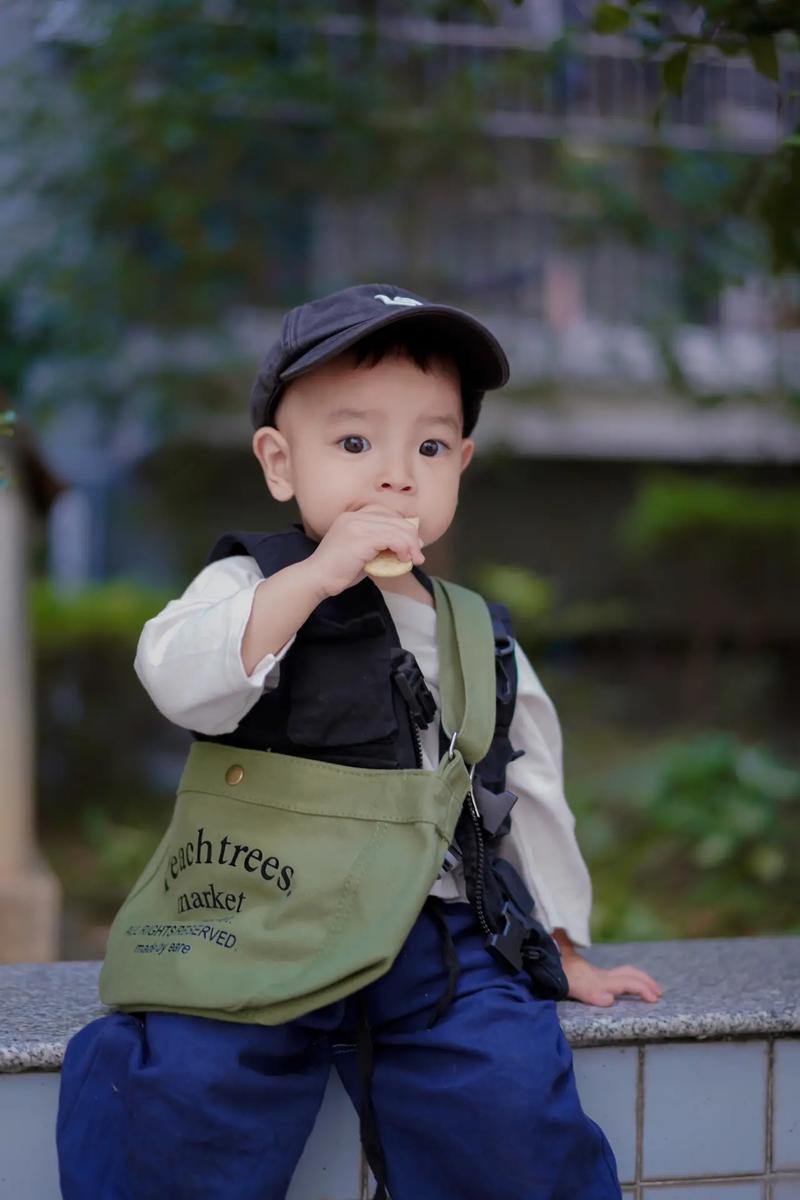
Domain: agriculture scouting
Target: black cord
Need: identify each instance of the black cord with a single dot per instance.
(370, 1137)
(449, 958)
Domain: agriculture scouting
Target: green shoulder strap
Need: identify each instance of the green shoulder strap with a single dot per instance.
(465, 641)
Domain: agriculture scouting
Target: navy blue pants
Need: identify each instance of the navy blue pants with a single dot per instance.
(482, 1105)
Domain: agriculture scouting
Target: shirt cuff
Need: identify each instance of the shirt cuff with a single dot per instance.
(576, 929)
(265, 674)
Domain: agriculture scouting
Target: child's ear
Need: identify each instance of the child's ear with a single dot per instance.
(467, 451)
(272, 451)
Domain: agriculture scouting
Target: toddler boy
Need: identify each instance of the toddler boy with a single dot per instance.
(362, 413)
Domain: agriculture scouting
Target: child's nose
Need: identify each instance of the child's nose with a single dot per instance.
(396, 475)
(397, 485)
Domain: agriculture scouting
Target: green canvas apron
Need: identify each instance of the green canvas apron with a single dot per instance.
(283, 883)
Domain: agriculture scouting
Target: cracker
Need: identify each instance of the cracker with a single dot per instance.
(387, 565)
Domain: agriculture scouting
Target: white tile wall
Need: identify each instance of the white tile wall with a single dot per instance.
(329, 1167)
(786, 1107)
(28, 1162)
(707, 1191)
(331, 1162)
(704, 1109)
(606, 1078)
(704, 1114)
(786, 1189)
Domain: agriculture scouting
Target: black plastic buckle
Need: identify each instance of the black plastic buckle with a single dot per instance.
(503, 645)
(413, 688)
(507, 945)
(503, 648)
(494, 807)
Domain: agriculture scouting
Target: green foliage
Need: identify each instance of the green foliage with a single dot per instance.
(536, 611)
(748, 18)
(99, 859)
(211, 136)
(670, 508)
(610, 18)
(120, 852)
(757, 29)
(689, 213)
(776, 202)
(207, 135)
(115, 610)
(590, 618)
(726, 556)
(18, 349)
(745, 27)
(528, 596)
(8, 422)
(703, 833)
(602, 191)
(764, 55)
(673, 70)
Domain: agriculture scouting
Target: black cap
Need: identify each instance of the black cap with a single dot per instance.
(316, 332)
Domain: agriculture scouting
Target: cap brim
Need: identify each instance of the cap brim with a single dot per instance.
(477, 349)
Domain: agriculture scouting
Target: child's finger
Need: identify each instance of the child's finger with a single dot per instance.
(636, 973)
(633, 987)
(602, 997)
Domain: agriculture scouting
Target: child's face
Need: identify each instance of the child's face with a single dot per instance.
(397, 454)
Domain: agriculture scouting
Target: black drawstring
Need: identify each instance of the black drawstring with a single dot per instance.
(449, 958)
(370, 1137)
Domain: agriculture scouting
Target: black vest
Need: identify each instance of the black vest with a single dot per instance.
(348, 692)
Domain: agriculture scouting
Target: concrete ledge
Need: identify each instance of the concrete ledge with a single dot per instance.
(713, 988)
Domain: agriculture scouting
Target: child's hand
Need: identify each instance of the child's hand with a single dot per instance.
(355, 538)
(596, 985)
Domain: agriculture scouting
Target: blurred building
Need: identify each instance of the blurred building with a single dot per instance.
(600, 330)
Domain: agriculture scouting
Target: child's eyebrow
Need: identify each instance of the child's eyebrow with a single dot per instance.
(360, 414)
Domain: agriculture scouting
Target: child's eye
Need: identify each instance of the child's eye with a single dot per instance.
(352, 437)
(356, 437)
(434, 442)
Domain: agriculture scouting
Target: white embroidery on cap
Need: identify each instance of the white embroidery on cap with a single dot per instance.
(405, 300)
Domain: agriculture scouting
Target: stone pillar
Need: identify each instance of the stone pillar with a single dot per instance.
(30, 894)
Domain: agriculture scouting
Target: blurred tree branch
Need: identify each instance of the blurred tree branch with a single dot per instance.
(757, 29)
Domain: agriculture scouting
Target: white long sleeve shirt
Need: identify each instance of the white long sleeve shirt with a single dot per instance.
(189, 661)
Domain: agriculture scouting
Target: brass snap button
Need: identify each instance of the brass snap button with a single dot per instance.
(234, 774)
